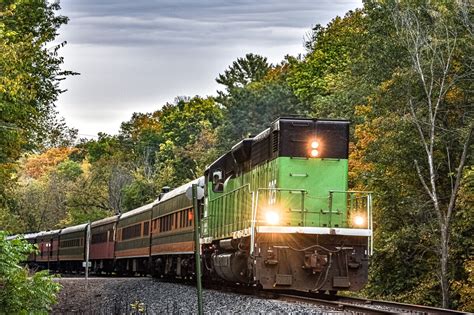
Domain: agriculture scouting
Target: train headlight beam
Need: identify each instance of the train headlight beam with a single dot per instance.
(359, 220)
(272, 217)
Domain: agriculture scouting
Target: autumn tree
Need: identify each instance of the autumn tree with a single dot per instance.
(439, 87)
(30, 73)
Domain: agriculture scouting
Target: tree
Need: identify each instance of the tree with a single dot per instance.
(23, 291)
(190, 123)
(29, 82)
(324, 79)
(249, 108)
(243, 71)
(440, 49)
(30, 71)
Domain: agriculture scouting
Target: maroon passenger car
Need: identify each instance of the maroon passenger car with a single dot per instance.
(48, 245)
(102, 244)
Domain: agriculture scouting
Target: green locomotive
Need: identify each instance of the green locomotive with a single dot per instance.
(278, 213)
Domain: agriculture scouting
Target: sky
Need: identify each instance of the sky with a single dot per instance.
(135, 56)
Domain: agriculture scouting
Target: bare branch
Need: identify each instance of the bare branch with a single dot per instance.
(418, 126)
(449, 169)
(422, 180)
(462, 162)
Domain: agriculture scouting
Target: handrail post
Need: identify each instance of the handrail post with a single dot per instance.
(369, 197)
(330, 208)
(302, 209)
(253, 221)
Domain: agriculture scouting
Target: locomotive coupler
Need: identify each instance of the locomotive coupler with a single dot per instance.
(315, 261)
(271, 258)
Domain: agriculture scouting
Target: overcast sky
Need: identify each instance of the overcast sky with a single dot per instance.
(134, 56)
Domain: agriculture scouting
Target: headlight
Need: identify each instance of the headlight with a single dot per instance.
(313, 146)
(359, 220)
(272, 217)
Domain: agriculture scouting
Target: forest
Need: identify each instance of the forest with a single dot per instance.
(401, 71)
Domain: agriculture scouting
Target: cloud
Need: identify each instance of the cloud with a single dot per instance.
(137, 55)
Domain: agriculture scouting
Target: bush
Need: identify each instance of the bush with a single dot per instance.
(21, 290)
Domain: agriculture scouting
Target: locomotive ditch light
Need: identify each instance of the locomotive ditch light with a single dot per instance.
(314, 145)
(359, 220)
(272, 217)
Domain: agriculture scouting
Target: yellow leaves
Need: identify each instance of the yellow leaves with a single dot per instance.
(387, 85)
(86, 166)
(37, 165)
(466, 287)
(362, 110)
(455, 94)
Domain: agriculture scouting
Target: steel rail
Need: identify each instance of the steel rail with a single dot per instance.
(400, 306)
(364, 305)
(337, 305)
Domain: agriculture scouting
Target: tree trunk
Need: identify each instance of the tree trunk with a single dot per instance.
(444, 264)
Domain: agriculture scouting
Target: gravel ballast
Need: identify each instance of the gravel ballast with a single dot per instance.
(149, 296)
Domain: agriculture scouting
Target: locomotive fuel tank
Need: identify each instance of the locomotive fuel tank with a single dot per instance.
(231, 266)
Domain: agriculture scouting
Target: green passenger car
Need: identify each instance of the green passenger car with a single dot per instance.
(72, 247)
(132, 246)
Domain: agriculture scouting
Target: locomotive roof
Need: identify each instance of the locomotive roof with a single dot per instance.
(138, 210)
(275, 125)
(75, 228)
(105, 221)
(181, 189)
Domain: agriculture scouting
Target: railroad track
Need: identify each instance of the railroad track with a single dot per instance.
(340, 303)
(366, 306)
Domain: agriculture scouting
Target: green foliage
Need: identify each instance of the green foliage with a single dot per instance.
(243, 71)
(139, 193)
(69, 170)
(23, 292)
(29, 85)
(30, 72)
(251, 106)
(323, 78)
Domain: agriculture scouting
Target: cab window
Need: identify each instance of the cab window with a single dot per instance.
(217, 181)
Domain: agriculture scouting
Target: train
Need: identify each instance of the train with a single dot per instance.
(275, 214)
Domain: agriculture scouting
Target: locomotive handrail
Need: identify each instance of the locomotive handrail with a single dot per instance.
(255, 197)
(352, 191)
(285, 189)
(365, 195)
